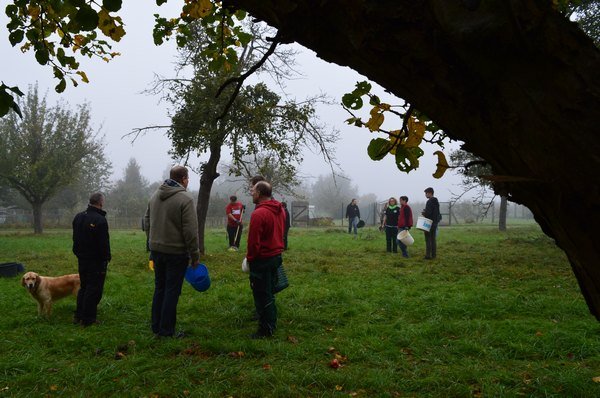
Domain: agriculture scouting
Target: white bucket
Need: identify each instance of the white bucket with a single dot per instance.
(424, 223)
(405, 237)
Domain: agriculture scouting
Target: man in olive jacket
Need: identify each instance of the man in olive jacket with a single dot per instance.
(172, 228)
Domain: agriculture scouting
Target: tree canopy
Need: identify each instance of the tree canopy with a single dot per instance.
(47, 150)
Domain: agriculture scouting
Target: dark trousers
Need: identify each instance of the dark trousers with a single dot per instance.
(263, 275)
(231, 232)
(92, 274)
(391, 238)
(430, 244)
(169, 271)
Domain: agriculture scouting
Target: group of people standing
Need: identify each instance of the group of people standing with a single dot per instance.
(398, 218)
(171, 226)
(395, 219)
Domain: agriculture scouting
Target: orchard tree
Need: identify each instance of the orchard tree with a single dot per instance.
(46, 150)
(256, 124)
(517, 81)
(475, 178)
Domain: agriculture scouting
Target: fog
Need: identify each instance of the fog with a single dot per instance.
(118, 106)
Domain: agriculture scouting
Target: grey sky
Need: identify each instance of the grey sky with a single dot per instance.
(114, 93)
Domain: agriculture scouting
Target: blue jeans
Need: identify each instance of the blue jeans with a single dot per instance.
(402, 246)
(169, 271)
(352, 223)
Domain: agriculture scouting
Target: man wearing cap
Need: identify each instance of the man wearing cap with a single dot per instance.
(432, 211)
(265, 245)
(172, 228)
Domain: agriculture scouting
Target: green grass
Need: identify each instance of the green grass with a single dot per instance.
(496, 315)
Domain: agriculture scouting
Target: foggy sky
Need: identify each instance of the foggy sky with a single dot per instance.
(118, 106)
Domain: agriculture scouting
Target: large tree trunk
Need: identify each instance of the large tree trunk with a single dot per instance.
(207, 178)
(502, 213)
(513, 79)
(37, 218)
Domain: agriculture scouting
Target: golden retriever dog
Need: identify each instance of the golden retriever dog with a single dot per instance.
(46, 289)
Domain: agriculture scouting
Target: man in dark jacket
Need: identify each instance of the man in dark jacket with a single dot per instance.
(91, 245)
(172, 228)
(265, 245)
(353, 215)
(432, 211)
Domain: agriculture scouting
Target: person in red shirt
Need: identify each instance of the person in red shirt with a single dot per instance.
(405, 221)
(234, 211)
(265, 245)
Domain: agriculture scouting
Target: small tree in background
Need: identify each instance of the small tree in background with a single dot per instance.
(330, 195)
(474, 173)
(47, 150)
(129, 197)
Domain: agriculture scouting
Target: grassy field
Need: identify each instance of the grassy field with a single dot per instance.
(496, 315)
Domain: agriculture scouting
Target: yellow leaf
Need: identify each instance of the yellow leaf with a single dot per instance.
(416, 131)
(442, 165)
(395, 140)
(53, 387)
(33, 11)
(84, 77)
(79, 40)
(376, 119)
(109, 27)
(199, 8)
(596, 379)
(338, 388)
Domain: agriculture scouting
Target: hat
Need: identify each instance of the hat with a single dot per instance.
(198, 277)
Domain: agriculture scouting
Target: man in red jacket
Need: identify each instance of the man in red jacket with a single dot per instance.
(265, 245)
(234, 211)
(405, 221)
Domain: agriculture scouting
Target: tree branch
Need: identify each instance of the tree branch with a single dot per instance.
(239, 80)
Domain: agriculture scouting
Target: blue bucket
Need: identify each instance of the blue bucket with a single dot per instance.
(198, 277)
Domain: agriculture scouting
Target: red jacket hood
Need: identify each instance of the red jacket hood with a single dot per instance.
(272, 205)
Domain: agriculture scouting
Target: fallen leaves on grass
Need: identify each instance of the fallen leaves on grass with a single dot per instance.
(266, 366)
(195, 351)
(338, 359)
(292, 339)
(236, 354)
(596, 379)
